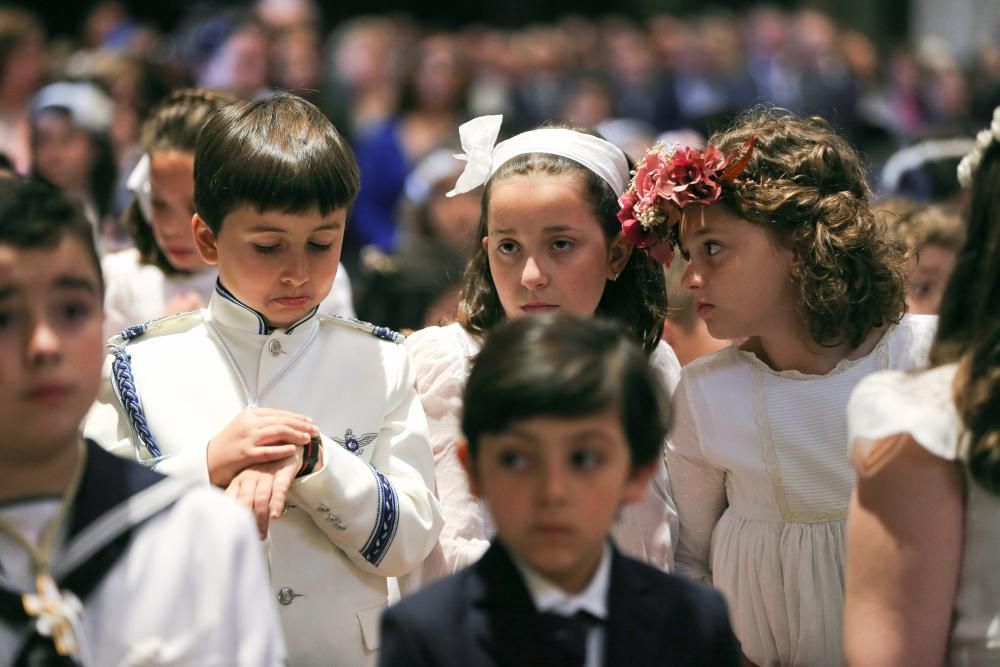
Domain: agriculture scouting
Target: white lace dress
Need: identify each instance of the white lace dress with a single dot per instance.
(440, 357)
(922, 405)
(762, 482)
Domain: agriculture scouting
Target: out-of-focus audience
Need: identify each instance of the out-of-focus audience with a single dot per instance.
(399, 89)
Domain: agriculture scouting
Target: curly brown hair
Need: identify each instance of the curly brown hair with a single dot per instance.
(637, 299)
(172, 126)
(807, 186)
(968, 326)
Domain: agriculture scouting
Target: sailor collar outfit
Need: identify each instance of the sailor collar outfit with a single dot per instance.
(80, 602)
(366, 514)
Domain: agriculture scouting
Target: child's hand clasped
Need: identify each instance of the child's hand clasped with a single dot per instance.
(264, 487)
(257, 436)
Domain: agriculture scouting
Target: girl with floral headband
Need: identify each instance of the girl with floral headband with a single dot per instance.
(786, 255)
(550, 241)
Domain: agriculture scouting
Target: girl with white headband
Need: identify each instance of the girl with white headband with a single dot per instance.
(550, 241)
(164, 274)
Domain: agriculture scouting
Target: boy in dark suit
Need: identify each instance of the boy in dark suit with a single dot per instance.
(563, 423)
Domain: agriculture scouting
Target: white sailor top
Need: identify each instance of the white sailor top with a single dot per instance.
(367, 514)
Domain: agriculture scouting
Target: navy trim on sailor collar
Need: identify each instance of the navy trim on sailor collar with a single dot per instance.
(262, 327)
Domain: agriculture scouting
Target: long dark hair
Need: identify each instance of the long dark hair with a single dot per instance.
(969, 324)
(637, 299)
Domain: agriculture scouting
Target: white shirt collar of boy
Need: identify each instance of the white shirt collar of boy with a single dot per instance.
(226, 309)
(549, 597)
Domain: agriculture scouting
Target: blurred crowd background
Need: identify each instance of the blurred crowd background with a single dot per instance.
(398, 84)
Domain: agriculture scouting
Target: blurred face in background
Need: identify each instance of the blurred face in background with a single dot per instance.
(171, 180)
(928, 272)
(63, 153)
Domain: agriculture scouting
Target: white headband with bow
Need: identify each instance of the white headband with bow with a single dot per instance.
(138, 184)
(483, 158)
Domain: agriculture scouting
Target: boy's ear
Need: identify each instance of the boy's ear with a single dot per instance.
(204, 238)
(465, 458)
(637, 484)
(618, 256)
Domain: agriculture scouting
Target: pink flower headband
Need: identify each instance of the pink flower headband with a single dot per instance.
(664, 184)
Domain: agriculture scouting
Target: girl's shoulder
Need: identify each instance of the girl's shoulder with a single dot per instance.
(664, 361)
(119, 264)
(909, 342)
(441, 349)
(718, 366)
(920, 404)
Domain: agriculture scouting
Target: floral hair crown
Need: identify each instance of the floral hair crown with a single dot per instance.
(970, 163)
(664, 183)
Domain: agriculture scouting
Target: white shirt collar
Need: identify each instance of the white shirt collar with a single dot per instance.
(549, 597)
(228, 310)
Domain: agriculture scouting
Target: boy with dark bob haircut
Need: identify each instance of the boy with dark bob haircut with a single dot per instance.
(563, 422)
(79, 527)
(310, 420)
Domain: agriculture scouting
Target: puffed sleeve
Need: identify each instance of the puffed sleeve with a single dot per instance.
(699, 487)
(394, 518)
(440, 357)
(647, 530)
(896, 402)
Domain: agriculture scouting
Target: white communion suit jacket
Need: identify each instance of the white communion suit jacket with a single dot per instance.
(369, 513)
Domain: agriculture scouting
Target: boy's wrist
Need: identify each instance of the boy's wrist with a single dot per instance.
(310, 457)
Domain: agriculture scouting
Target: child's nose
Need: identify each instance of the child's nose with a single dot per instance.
(692, 278)
(43, 342)
(296, 270)
(532, 275)
(553, 484)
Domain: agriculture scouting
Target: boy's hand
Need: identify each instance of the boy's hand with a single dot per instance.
(264, 487)
(256, 436)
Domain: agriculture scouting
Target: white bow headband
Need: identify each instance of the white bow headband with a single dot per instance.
(483, 158)
(138, 184)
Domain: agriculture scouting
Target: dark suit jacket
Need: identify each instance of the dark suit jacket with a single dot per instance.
(484, 616)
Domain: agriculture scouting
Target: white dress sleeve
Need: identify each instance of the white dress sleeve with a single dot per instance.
(340, 300)
(896, 402)
(440, 360)
(699, 487)
(647, 530)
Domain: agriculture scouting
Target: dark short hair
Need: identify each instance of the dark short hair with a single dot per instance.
(276, 154)
(35, 215)
(565, 366)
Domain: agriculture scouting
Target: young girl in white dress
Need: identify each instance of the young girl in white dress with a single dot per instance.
(923, 559)
(164, 274)
(786, 256)
(550, 242)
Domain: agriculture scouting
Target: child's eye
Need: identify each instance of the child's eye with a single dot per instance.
(506, 247)
(920, 289)
(320, 247)
(712, 248)
(562, 244)
(512, 459)
(75, 311)
(265, 249)
(6, 319)
(585, 459)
